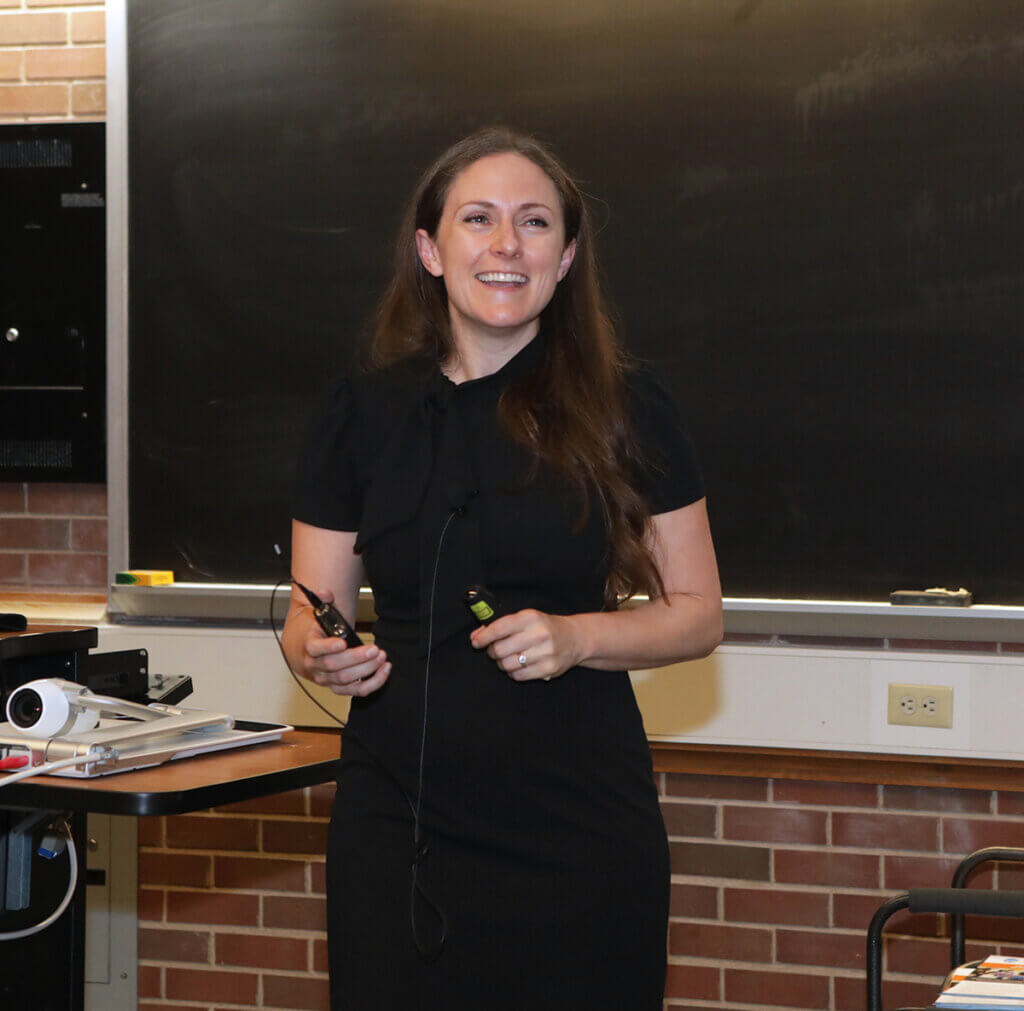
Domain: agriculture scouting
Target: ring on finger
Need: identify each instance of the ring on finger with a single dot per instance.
(522, 659)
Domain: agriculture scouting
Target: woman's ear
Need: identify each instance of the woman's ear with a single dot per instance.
(568, 255)
(428, 253)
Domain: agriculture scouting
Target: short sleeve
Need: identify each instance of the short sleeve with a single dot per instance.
(326, 489)
(668, 472)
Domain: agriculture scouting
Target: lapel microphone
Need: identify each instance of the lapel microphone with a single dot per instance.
(459, 496)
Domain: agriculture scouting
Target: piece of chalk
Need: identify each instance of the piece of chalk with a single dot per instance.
(145, 577)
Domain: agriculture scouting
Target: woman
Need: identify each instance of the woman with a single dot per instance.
(496, 841)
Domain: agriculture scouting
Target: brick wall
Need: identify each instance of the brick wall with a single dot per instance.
(52, 60)
(53, 535)
(773, 885)
(52, 66)
(231, 906)
(775, 882)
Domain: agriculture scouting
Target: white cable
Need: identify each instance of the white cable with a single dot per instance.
(13, 935)
(47, 767)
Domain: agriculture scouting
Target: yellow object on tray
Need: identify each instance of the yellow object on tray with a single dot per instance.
(145, 577)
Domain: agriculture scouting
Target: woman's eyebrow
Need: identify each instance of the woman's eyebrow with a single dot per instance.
(489, 204)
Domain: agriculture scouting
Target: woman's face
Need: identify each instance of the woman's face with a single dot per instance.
(500, 247)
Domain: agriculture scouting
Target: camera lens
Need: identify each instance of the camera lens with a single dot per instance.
(26, 707)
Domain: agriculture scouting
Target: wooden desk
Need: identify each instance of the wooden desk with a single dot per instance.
(301, 758)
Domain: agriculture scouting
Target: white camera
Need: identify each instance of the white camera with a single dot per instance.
(52, 707)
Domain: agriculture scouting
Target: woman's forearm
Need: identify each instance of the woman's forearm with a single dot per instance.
(297, 629)
(682, 626)
(324, 561)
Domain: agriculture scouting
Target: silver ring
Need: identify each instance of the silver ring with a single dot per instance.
(522, 659)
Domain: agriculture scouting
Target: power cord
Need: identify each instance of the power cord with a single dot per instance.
(62, 826)
(48, 767)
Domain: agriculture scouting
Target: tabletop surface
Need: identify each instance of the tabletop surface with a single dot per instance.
(300, 758)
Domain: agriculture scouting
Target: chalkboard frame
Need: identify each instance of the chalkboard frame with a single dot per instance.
(231, 603)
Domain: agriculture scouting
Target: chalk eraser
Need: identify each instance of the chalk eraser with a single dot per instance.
(935, 597)
(145, 577)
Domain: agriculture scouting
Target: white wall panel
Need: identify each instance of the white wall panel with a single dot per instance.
(769, 696)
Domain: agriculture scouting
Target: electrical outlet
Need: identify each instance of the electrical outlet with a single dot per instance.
(921, 705)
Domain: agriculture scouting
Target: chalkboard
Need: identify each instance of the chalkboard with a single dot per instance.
(812, 220)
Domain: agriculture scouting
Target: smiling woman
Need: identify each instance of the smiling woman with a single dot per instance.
(503, 442)
(500, 257)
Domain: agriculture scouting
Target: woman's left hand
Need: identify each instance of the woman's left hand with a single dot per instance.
(530, 645)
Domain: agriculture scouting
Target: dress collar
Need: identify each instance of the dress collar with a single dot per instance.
(523, 361)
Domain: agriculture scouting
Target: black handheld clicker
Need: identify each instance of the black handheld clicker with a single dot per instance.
(482, 604)
(330, 619)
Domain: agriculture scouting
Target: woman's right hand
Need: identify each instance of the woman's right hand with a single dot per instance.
(325, 560)
(345, 670)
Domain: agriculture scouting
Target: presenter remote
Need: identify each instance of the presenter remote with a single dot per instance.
(330, 619)
(482, 605)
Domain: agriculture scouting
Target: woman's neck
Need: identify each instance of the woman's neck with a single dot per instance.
(478, 355)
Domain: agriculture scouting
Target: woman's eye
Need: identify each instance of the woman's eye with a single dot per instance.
(476, 218)
(537, 222)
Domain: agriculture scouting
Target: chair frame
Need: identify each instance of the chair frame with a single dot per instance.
(957, 900)
(1005, 854)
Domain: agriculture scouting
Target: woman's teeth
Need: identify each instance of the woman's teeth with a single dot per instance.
(500, 277)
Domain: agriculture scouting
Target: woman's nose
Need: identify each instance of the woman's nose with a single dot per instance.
(506, 239)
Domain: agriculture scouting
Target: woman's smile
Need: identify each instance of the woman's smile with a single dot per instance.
(501, 279)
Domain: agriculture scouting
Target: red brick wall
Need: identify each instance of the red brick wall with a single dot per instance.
(231, 906)
(773, 885)
(52, 60)
(775, 882)
(53, 535)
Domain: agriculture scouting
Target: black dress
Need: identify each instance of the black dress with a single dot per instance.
(542, 843)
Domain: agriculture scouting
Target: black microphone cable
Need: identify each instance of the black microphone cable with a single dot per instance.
(421, 846)
(428, 949)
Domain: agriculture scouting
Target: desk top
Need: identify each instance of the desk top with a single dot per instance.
(300, 758)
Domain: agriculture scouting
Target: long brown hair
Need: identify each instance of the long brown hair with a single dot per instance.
(570, 412)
